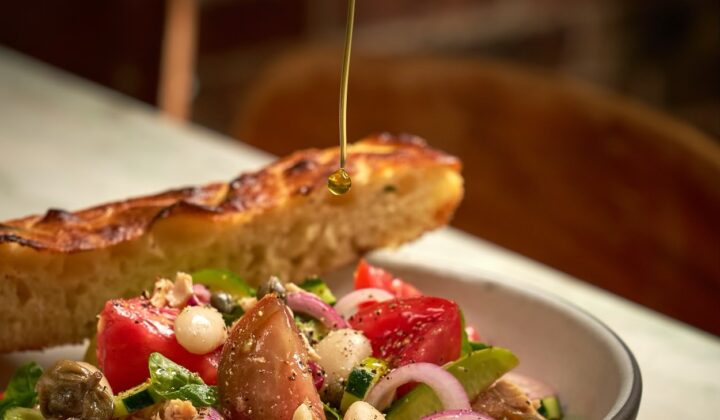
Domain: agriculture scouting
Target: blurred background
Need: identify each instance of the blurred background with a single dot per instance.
(549, 103)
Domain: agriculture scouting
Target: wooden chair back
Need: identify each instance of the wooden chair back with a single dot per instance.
(590, 183)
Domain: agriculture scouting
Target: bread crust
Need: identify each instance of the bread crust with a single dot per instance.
(58, 269)
(299, 174)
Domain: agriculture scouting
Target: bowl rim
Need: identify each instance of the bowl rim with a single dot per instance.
(629, 407)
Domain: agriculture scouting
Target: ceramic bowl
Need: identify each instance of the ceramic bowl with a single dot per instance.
(593, 371)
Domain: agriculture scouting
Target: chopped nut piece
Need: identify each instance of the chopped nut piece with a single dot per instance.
(247, 303)
(179, 410)
(160, 291)
(181, 292)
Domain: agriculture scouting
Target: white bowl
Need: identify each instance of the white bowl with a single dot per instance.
(593, 371)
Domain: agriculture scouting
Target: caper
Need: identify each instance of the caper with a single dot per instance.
(272, 285)
(74, 390)
(223, 302)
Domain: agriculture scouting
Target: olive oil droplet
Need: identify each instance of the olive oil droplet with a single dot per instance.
(339, 182)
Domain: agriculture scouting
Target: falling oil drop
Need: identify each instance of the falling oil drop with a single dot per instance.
(339, 182)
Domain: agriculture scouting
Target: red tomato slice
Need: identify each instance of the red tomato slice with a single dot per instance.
(129, 330)
(419, 329)
(367, 276)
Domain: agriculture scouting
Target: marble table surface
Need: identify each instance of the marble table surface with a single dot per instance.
(67, 143)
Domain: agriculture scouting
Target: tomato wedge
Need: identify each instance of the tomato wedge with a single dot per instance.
(367, 276)
(129, 330)
(409, 330)
(264, 371)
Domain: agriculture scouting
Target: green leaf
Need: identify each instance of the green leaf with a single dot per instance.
(20, 391)
(172, 381)
(476, 345)
(465, 347)
(200, 395)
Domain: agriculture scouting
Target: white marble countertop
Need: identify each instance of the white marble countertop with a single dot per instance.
(68, 143)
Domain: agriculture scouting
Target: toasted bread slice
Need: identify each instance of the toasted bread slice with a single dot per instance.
(57, 270)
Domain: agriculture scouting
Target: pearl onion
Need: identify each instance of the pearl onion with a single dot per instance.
(303, 412)
(339, 352)
(360, 410)
(200, 329)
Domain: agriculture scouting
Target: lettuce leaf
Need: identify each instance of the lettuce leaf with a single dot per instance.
(20, 391)
(172, 381)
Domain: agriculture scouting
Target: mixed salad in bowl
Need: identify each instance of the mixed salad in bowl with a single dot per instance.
(206, 345)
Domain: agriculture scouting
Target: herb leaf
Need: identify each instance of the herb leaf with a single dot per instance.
(20, 391)
(172, 381)
(331, 413)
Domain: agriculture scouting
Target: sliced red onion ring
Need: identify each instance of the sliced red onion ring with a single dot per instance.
(200, 296)
(448, 389)
(458, 415)
(530, 386)
(348, 304)
(309, 304)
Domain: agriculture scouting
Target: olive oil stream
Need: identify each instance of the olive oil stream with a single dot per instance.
(339, 182)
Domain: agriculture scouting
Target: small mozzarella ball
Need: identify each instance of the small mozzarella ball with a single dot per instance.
(200, 329)
(339, 352)
(360, 410)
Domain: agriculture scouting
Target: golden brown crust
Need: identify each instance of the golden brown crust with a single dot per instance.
(297, 175)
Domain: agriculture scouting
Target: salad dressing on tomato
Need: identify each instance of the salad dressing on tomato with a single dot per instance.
(339, 182)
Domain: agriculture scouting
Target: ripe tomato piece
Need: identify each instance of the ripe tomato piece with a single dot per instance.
(129, 330)
(264, 371)
(419, 329)
(367, 275)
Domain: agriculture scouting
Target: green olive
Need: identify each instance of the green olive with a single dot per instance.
(71, 389)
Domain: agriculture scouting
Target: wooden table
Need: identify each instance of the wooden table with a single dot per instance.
(67, 143)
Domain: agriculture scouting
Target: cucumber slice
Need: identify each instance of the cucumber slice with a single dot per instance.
(361, 379)
(223, 280)
(313, 329)
(21, 413)
(133, 399)
(316, 286)
(476, 372)
(550, 408)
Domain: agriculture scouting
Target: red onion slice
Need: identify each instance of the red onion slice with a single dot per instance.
(317, 373)
(309, 304)
(451, 393)
(458, 415)
(200, 296)
(530, 386)
(348, 304)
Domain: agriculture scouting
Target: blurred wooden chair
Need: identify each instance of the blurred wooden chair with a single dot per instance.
(177, 64)
(587, 182)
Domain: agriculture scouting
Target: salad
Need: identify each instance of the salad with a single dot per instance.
(206, 345)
